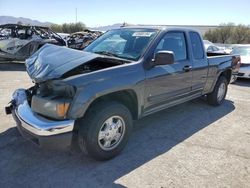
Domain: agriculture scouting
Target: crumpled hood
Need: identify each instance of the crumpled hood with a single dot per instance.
(52, 61)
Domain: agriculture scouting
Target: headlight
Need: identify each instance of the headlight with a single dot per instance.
(51, 106)
(53, 99)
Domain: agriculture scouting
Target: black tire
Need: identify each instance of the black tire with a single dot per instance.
(213, 98)
(91, 125)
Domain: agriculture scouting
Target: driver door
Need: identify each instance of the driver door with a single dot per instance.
(166, 84)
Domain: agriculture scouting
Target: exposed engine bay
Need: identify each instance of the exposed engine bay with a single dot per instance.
(57, 89)
(94, 65)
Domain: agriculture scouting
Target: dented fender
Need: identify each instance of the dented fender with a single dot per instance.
(92, 86)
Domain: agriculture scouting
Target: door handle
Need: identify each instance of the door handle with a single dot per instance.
(187, 68)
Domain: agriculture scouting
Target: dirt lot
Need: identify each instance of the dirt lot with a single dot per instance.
(190, 145)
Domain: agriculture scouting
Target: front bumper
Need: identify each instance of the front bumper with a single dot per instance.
(42, 131)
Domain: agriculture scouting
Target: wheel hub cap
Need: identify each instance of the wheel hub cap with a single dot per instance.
(111, 133)
(221, 91)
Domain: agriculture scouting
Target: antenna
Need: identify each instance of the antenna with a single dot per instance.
(76, 15)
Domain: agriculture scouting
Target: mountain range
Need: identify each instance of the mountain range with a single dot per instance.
(25, 21)
(107, 27)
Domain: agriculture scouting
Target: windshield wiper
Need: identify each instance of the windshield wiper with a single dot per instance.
(106, 53)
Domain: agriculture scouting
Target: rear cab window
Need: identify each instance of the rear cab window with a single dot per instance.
(197, 45)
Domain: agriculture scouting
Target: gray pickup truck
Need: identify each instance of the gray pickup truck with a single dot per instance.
(124, 75)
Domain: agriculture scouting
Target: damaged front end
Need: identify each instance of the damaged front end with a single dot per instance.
(41, 130)
(42, 112)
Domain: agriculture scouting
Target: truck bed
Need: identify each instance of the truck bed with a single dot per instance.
(218, 61)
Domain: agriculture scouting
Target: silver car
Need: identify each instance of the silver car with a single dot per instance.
(211, 48)
(244, 52)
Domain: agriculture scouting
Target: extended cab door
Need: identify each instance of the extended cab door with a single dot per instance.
(200, 63)
(166, 84)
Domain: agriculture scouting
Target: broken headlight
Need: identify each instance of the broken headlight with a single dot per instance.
(53, 99)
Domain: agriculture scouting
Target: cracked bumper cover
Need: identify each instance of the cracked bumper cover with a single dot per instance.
(44, 132)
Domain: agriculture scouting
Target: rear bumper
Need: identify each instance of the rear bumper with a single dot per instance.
(46, 133)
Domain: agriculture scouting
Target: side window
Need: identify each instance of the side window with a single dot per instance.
(215, 48)
(174, 41)
(197, 45)
(209, 49)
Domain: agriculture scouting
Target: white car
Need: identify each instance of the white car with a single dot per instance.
(244, 52)
(211, 48)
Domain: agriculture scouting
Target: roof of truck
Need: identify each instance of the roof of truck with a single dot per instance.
(159, 27)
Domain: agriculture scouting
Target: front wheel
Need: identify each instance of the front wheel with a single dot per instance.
(219, 93)
(105, 130)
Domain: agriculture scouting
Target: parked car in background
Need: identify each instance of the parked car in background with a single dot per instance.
(244, 52)
(211, 48)
(207, 42)
(226, 47)
(18, 42)
(64, 35)
(217, 48)
(80, 40)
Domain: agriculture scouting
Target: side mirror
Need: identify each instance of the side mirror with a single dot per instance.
(164, 58)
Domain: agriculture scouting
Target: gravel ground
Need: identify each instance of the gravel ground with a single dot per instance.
(190, 145)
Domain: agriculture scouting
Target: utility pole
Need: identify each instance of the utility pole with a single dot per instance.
(76, 15)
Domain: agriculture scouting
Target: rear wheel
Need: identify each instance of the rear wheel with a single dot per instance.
(105, 130)
(218, 95)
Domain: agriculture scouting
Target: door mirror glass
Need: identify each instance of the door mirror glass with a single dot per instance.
(164, 58)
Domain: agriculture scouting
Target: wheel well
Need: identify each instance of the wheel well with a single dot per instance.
(227, 74)
(126, 97)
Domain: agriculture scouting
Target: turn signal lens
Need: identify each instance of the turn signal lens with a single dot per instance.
(62, 109)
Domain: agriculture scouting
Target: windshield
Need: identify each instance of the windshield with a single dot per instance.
(123, 43)
(243, 51)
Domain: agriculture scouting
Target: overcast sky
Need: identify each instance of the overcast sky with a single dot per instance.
(107, 12)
